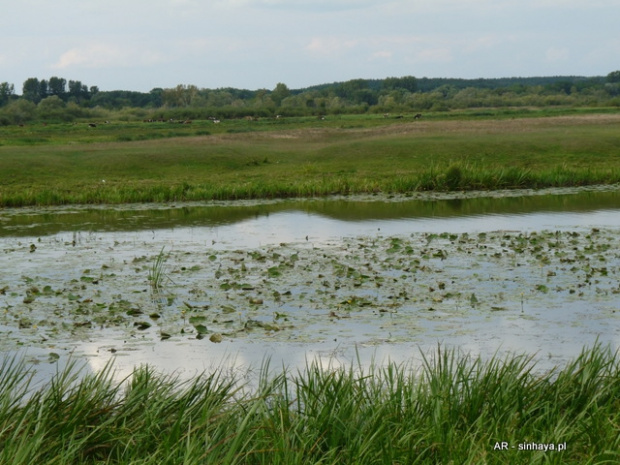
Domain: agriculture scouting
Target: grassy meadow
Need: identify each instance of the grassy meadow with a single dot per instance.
(121, 162)
(453, 409)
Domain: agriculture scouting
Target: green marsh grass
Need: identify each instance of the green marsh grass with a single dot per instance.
(452, 409)
(126, 163)
(157, 274)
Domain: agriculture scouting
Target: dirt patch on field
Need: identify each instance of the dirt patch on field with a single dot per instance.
(499, 126)
(516, 125)
(403, 127)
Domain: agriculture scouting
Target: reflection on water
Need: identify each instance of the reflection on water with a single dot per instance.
(326, 221)
(342, 216)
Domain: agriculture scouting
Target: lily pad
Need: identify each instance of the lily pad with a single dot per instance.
(201, 329)
(216, 338)
(142, 325)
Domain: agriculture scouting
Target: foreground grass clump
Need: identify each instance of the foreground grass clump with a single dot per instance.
(305, 158)
(453, 410)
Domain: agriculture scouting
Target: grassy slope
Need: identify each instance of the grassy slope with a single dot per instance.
(156, 162)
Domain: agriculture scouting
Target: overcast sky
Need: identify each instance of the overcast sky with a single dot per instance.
(252, 44)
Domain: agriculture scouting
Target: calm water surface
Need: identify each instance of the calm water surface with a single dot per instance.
(317, 223)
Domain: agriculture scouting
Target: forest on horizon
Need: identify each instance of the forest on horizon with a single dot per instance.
(58, 100)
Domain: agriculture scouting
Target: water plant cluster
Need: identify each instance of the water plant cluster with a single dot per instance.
(367, 290)
(453, 409)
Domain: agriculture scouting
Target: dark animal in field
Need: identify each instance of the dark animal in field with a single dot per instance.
(399, 117)
(418, 116)
(92, 125)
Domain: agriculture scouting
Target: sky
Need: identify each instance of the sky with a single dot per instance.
(254, 44)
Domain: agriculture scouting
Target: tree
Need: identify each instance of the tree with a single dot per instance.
(43, 89)
(20, 111)
(408, 83)
(7, 92)
(78, 91)
(156, 96)
(563, 86)
(348, 88)
(613, 77)
(219, 98)
(51, 108)
(31, 90)
(181, 96)
(57, 86)
(280, 93)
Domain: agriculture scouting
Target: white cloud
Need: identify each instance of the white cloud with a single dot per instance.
(322, 5)
(412, 49)
(578, 4)
(433, 55)
(557, 54)
(99, 55)
(220, 45)
(382, 55)
(331, 45)
(484, 42)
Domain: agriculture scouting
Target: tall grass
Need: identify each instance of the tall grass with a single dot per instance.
(453, 409)
(453, 177)
(157, 273)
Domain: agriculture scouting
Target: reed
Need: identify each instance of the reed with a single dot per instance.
(452, 409)
(157, 273)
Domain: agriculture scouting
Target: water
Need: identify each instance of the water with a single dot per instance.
(328, 218)
(552, 328)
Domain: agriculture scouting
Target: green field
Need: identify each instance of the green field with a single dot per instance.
(121, 162)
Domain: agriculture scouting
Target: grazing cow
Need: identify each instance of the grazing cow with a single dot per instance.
(92, 125)
(418, 116)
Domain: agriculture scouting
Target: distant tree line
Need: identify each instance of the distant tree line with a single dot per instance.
(56, 99)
